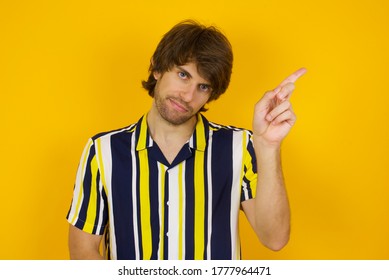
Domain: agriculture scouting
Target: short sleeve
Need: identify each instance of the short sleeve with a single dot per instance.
(88, 210)
(249, 180)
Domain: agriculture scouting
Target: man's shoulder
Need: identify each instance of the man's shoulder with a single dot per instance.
(119, 132)
(222, 128)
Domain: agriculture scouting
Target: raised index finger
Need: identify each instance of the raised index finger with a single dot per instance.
(294, 77)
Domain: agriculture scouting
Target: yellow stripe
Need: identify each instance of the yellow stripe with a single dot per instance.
(145, 204)
(199, 198)
(162, 230)
(200, 134)
(250, 175)
(199, 205)
(181, 206)
(100, 166)
(91, 212)
(79, 197)
(142, 135)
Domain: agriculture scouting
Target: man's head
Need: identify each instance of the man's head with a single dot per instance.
(191, 42)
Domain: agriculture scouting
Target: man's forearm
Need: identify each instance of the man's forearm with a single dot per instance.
(272, 213)
(83, 246)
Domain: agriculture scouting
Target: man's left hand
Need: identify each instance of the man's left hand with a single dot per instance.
(273, 114)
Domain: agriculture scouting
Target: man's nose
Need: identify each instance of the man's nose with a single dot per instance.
(188, 92)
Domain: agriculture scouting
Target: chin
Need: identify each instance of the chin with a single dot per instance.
(176, 121)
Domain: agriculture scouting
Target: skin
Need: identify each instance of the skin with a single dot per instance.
(178, 97)
(179, 94)
(269, 212)
(84, 246)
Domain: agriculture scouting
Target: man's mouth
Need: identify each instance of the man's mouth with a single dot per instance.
(178, 105)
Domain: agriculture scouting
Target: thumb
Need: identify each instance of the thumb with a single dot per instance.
(267, 100)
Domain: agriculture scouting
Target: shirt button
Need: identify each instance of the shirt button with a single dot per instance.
(167, 203)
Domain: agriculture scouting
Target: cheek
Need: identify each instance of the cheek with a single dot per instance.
(206, 98)
(201, 102)
(169, 87)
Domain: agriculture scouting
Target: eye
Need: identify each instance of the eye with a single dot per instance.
(182, 75)
(204, 88)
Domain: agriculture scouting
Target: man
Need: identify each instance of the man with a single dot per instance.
(171, 185)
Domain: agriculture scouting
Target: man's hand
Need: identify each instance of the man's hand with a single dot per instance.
(273, 114)
(269, 212)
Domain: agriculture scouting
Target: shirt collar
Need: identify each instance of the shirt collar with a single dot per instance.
(198, 140)
(142, 135)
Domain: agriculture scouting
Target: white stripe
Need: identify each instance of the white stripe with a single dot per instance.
(79, 179)
(106, 156)
(160, 203)
(102, 206)
(134, 195)
(173, 212)
(209, 183)
(183, 208)
(235, 192)
(245, 190)
(214, 125)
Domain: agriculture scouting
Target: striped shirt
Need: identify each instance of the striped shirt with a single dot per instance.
(150, 209)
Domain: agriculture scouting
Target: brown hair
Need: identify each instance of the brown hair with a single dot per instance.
(189, 41)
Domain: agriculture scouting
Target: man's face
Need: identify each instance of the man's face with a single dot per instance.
(180, 93)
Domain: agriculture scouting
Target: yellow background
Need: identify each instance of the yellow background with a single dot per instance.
(71, 69)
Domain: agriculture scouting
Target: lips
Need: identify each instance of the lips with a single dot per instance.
(178, 106)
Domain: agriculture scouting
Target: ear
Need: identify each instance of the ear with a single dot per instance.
(156, 75)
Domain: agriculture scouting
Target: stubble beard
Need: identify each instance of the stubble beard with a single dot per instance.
(170, 115)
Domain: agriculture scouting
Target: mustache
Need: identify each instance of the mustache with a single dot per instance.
(181, 103)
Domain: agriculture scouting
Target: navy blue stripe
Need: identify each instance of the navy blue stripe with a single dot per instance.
(166, 222)
(206, 128)
(107, 244)
(86, 183)
(126, 128)
(154, 208)
(243, 196)
(105, 211)
(97, 190)
(138, 206)
(137, 131)
(250, 149)
(221, 194)
(206, 204)
(189, 209)
(122, 207)
(122, 195)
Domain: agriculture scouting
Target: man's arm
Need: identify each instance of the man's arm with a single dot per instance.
(269, 212)
(84, 246)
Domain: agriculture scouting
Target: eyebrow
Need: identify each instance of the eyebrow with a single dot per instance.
(183, 70)
(190, 76)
